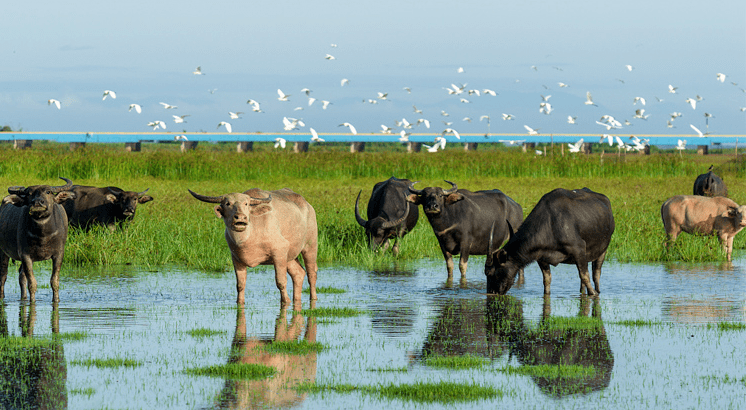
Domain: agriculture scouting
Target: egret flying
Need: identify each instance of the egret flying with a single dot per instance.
(282, 96)
(697, 131)
(234, 115)
(53, 101)
(226, 125)
(109, 93)
(179, 119)
(197, 71)
(280, 142)
(137, 108)
(589, 99)
(168, 106)
(315, 136)
(348, 125)
(531, 131)
(576, 147)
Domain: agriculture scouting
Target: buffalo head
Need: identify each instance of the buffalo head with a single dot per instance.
(39, 198)
(127, 200)
(433, 199)
(499, 268)
(379, 229)
(234, 209)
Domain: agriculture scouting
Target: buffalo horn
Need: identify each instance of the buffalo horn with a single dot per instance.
(391, 224)
(489, 247)
(414, 191)
(362, 222)
(204, 198)
(257, 201)
(143, 192)
(510, 230)
(453, 189)
(58, 189)
(16, 190)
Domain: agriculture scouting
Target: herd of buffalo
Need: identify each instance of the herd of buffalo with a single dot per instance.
(279, 228)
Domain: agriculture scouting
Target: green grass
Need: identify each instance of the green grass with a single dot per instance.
(203, 332)
(326, 290)
(176, 229)
(71, 336)
(109, 363)
(455, 362)
(331, 312)
(296, 347)
(421, 392)
(637, 323)
(248, 371)
(550, 371)
(563, 323)
(88, 392)
(727, 326)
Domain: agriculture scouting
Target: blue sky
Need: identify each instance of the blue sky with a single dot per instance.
(146, 51)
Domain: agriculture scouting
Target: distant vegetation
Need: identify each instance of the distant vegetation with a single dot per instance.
(177, 229)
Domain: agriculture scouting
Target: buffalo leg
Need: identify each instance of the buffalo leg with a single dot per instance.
(449, 263)
(585, 280)
(297, 274)
(596, 265)
(547, 277)
(240, 270)
(281, 280)
(54, 281)
(312, 269)
(28, 278)
(463, 262)
(4, 261)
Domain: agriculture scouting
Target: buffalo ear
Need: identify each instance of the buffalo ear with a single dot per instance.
(110, 198)
(730, 213)
(413, 198)
(502, 257)
(454, 197)
(143, 199)
(14, 200)
(64, 196)
(219, 211)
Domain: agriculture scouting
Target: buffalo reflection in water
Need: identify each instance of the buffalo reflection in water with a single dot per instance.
(278, 391)
(32, 376)
(496, 328)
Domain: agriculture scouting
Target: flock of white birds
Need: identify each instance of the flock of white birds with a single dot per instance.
(465, 95)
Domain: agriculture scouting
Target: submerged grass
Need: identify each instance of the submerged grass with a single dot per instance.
(248, 371)
(455, 362)
(421, 392)
(637, 323)
(109, 363)
(296, 347)
(204, 332)
(331, 312)
(550, 371)
(176, 229)
(727, 326)
(326, 290)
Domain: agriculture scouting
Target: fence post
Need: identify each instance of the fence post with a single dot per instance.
(357, 147)
(132, 146)
(245, 146)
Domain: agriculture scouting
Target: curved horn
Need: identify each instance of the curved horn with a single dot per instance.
(362, 222)
(391, 224)
(204, 198)
(414, 191)
(489, 247)
(16, 190)
(453, 189)
(58, 189)
(511, 234)
(257, 201)
(141, 193)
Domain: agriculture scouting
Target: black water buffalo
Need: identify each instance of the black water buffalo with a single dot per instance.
(107, 206)
(33, 227)
(572, 227)
(710, 184)
(390, 214)
(462, 220)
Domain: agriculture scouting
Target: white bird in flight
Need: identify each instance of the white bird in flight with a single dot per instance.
(697, 131)
(571, 119)
(226, 125)
(589, 99)
(348, 125)
(280, 142)
(672, 89)
(315, 136)
(692, 102)
(404, 136)
(234, 115)
(640, 99)
(282, 96)
(168, 106)
(450, 131)
(576, 146)
(198, 71)
(720, 77)
(440, 142)
(179, 119)
(629, 67)
(531, 131)
(344, 82)
(137, 108)
(490, 92)
(433, 148)
(156, 124)
(324, 104)
(54, 102)
(606, 137)
(681, 145)
(180, 138)
(508, 117)
(460, 70)
(329, 57)
(108, 93)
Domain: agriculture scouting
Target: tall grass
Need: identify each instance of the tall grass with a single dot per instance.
(176, 229)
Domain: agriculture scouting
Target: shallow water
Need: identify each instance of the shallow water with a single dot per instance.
(678, 361)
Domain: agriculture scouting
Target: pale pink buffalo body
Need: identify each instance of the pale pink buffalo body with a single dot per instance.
(270, 228)
(703, 215)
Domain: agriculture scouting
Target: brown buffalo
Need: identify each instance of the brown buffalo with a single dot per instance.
(270, 228)
(695, 214)
(33, 227)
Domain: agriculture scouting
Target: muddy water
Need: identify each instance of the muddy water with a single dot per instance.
(679, 361)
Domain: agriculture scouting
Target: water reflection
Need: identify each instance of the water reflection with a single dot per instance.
(292, 370)
(714, 300)
(498, 328)
(33, 372)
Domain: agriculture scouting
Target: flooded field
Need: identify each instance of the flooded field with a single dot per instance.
(663, 336)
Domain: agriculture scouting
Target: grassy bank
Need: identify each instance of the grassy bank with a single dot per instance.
(177, 229)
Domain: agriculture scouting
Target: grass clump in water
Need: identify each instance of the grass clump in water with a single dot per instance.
(637, 323)
(326, 290)
(578, 323)
(331, 312)
(425, 393)
(204, 332)
(550, 371)
(107, 363)
(88, 392)
(296, 347)
(71, 336)
(248, 371)
(455, 362)
(727, 326)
